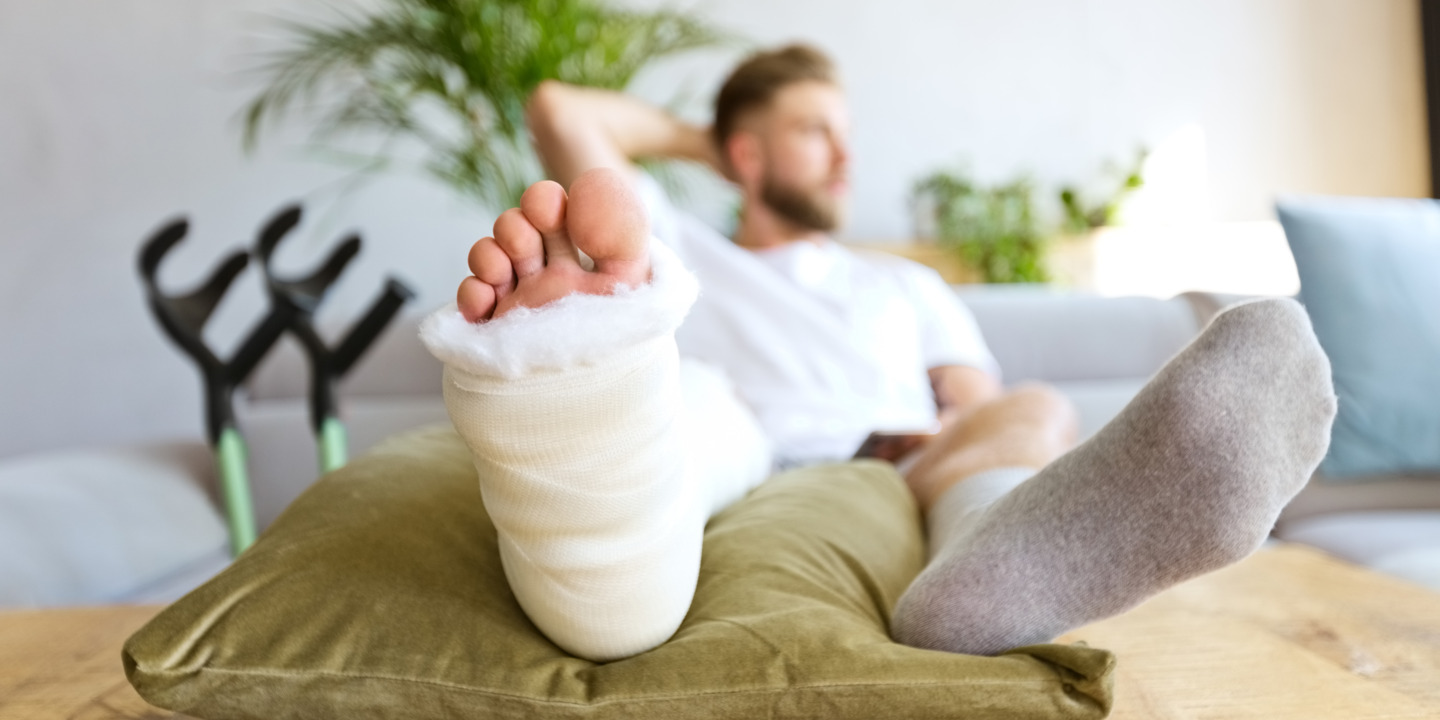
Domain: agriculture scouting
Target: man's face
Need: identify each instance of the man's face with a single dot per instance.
(804, 141)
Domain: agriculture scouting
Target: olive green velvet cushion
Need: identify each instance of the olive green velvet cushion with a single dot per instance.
(379, 593)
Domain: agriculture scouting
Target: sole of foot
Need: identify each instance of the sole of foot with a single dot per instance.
(534, 257)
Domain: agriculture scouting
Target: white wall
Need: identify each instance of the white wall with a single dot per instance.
(1291, 95)
(117, 115)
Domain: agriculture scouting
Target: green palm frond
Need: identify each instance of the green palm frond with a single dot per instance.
(454, 75)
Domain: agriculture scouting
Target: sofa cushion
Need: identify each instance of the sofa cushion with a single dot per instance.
(1097, 402)
(1368, 277)
(1057, 336)
(1405, 543)
(1380, 492)
(100, 526)
(281, 442)
(380, 593)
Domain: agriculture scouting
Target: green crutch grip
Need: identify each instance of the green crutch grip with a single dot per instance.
(235, 489)
(333, 444)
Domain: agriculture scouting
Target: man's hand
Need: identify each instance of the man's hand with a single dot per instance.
(891, 446)
(577, 129)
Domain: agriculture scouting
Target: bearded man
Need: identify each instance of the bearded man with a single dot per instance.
(824, 344)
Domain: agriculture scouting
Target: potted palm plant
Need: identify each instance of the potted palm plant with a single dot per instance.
(450, 78)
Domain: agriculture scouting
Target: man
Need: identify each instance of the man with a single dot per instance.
(601, 455)
(844, 344)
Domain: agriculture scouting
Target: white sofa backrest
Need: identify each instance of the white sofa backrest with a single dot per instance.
(1098, 350)
(1054, 336)
(395, 365)
(394, 387)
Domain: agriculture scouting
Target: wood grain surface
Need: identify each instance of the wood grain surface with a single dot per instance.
(1288, 633)
(58, 664)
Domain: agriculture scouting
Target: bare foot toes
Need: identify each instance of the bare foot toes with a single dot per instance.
(608, 223)
(475, 299)
(532, 260)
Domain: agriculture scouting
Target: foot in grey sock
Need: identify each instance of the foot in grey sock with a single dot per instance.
(1187, 479)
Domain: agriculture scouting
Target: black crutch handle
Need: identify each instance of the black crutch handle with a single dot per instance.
(304, 293)
(183, 318)
(364, 332)
(302, 297)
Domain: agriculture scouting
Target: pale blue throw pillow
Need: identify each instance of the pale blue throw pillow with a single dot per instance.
(1370, 279)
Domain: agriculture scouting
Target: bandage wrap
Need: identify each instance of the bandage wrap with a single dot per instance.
(597, 477)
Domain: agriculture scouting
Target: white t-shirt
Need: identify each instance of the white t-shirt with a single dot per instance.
(825, 344)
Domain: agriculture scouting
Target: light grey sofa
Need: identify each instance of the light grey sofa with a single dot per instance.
(147, 529)
(1099, 351)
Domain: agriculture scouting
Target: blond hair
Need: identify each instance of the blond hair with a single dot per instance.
(753, 84)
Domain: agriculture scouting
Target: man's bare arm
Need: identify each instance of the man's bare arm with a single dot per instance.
(576, 129)
(960, 389)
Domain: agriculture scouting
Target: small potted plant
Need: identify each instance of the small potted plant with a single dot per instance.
(993, 230)
(1073, 255)
(998, 235)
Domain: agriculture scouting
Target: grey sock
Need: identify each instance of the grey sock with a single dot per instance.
(957, 509)
(1187, 479)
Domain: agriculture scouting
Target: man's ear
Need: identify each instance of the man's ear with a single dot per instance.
(746, 158)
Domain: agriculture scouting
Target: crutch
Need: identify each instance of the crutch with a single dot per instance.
(298, 300)
(183, 318)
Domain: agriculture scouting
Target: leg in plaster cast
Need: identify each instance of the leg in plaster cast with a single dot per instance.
(1187, 479)
(594, 447)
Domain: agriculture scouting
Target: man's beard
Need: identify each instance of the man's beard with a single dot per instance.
(814, 210)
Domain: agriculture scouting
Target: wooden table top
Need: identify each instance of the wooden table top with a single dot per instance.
(1288, 633)
(66, 664)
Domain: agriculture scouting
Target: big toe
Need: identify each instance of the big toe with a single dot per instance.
(1274, 338)
(606, 218)
(1251, 398)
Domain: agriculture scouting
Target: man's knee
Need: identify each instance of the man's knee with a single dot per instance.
(1040, 398)
(1039, 403)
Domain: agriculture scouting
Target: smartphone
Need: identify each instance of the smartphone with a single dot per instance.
(890, 445)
